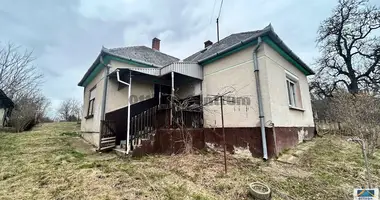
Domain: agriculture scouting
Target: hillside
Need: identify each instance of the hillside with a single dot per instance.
(52, 162)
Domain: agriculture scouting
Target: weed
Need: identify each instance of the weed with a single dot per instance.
(71, 134)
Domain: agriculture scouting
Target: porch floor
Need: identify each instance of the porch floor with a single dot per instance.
(120, 151)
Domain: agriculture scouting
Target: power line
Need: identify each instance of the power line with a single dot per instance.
(213, 9)
(220, 9)
(212, 14)
(217, 20)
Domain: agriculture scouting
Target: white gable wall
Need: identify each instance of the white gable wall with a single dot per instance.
(282, 115)
(235, 73)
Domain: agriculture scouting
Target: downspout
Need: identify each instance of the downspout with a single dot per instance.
(104, 98)
(105, 85)
(129, 104)
(260, 100)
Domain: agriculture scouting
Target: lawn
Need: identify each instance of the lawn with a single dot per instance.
(52, 162)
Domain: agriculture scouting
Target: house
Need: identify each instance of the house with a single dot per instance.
(269, 108)
(6, 107)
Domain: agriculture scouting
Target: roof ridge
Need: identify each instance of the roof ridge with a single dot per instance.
(246, 32)
(117, 48)
(126, 47)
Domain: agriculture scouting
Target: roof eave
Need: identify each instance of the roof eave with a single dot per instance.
(94, 64)
(234, 46)
(104, 52)
(133, 60)
(282, 45)
(268, 31)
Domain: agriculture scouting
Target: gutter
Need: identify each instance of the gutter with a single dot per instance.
(105, 51)
(260, 100)
(130, 59)
(233, 46)
(267, 31)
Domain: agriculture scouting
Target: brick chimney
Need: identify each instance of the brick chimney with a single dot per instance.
(156, 44)
(208, 43)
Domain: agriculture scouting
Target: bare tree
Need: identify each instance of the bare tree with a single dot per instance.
(29, 110)
(70, 110)
(359, 116)
(350, 49)
(18, 77)
(20, 80)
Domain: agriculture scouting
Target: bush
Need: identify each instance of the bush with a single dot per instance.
(358, 116)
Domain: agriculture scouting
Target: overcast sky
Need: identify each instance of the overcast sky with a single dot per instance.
(67, 35)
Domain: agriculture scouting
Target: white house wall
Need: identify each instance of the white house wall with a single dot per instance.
(91, 127)
(282, 115)
(117, 97)
(235, 73)
(189, 89)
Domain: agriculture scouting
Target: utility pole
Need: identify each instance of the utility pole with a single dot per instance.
(217, 28)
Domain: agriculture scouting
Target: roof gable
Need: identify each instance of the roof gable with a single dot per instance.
(239, 41)
(221, 45)
(140, 56)
(144, 54)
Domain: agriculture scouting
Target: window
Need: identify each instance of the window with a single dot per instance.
(294, 94)
(291, 85)
(90, 111)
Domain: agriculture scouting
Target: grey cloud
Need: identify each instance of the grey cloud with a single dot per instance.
(66, 36)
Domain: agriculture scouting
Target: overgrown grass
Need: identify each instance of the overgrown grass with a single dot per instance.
(51, 162)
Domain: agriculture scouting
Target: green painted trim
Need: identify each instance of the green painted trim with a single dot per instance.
(94, 72)
(285, 55)
(107, 59)
(267, 40)
(222, 55)
(131, 62)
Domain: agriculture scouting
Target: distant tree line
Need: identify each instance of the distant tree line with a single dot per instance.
(70, 110)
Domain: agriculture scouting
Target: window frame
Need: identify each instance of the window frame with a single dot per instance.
(293, 92)
(91, 103)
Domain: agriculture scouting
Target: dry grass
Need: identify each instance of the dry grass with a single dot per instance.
(51, 162)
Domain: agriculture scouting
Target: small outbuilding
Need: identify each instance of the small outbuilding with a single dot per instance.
(6, 107)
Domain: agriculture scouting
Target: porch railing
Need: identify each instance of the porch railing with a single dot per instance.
(107, 134)
(188, 119)
(143, 125)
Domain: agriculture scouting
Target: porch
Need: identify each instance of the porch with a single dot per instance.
(150, 113)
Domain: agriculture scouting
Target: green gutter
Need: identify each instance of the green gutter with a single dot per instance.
(95, 72)
(131, 62)
(107, 59)
(285, 55)
(222, 55)
(267, 40)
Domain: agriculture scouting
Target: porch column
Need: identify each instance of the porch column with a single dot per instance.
(171, 101)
